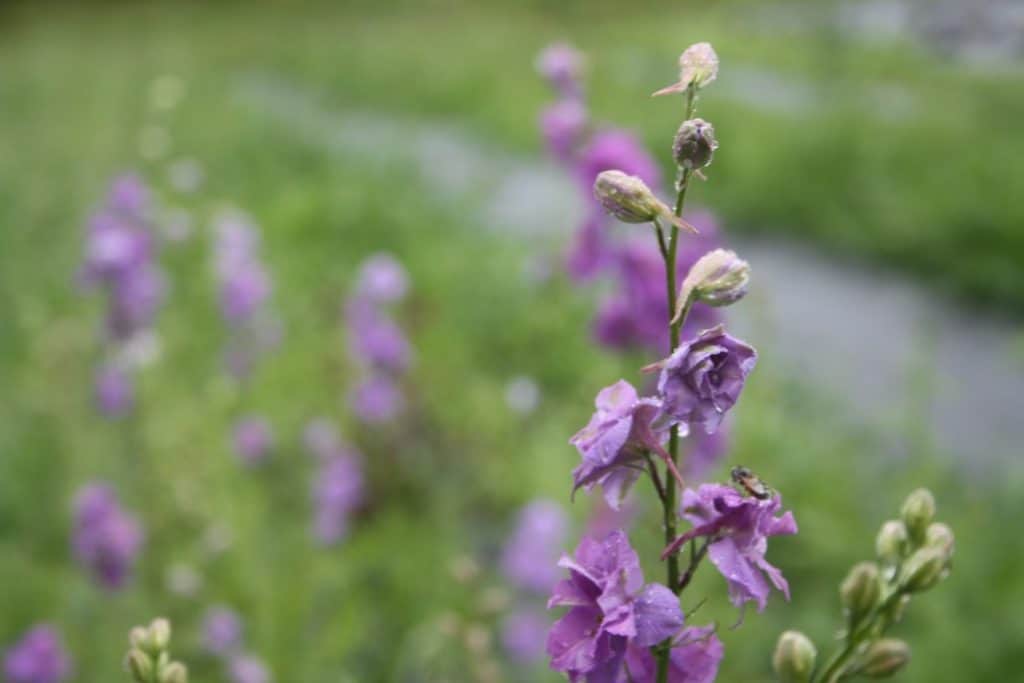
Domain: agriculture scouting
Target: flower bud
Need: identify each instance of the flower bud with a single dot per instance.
(160, 634)
(794, 657)
(175, 672)
(940, 536)
(718, 278)
(885, 657)
(629, 199)
(861, 589)
(138, 636)
(924, 569)
(891, 543)
(698, 65)
(694, 144)
(917, 513)
(140, 665)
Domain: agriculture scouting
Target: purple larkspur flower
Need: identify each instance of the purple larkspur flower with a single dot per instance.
(695, 656)
(604, 519)
(376, 400)
(106, 540)
(114, 390)
(614, 149)
(738, 528)
(243, 292)
(321, 438)
(704, 451)
(563, 125)
(609, 608)
(524, 634)
(613, 443)
(375, 340)
(129, 194)
(222, 630)
(247, 668)
(703, 378)
(382, 279)
(38, 657)
(135, 301)
(243, 281)
(592, 250)
(529, 558)
(253, 440)
(562, 66)
(337, 493)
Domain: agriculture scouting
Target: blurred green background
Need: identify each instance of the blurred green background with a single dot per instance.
(888, 151)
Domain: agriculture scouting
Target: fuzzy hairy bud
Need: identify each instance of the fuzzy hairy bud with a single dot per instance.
(139, 665)
(918, 512)
(885, 657)
(925, 568)
(694, 144)
(629, 199)
(861, 589)
(794, 657)
(891, 542)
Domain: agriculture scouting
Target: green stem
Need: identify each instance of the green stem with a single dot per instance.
(834, 669)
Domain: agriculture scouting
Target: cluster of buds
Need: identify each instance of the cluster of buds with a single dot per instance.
(914, 554)
(148, 660)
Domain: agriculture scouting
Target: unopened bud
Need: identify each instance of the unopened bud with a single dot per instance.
(139, 665)
(138, 637)
(885, 657)
(924, 569)
(175, 672)
(940, 536)
(917, 513)
(718, 278)
(794, 657)
(698, 65)
(160, 634)
(861, 589)
(629, 199)
(694, 144)
(891, 542)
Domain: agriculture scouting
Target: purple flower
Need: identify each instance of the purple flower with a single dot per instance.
(703, 378)
(376, 400)
(375, 341)
(604, 519)
(613, 443)
(592, 250)
(246, 668)
(39, 657)
(616, 150)
(382, 279)
(696, 654)
(704, 451)
(243, 292)
(129, 194)
(222, 630)
(337, 493)
(610, 607)
(106, 540)
(115, 392)
(529, 559)
(563, 125)
(738, 528)
(253, 440)
(562, 66)
(523, 635)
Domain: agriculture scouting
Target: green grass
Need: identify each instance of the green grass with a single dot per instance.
(73, 96)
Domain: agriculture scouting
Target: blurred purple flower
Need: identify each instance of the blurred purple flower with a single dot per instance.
(382, 279)
(106, 540)
(222, 630)
(563, 125)
(562, 66)
(530, 556)
(253, 440)
(247, 668)
(375, 341)
(703, 378)
(604, 519)
(39, 657)
(129, 194)
(696, 654)
(613, 443)
(704, 451)
(337, 493)
(610, 607)
(376, 399)
(739, 527)
(524, 634)
(592, 250)
(614, 149)
(115, 391)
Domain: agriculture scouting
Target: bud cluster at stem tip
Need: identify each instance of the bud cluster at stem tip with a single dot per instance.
(148, 660)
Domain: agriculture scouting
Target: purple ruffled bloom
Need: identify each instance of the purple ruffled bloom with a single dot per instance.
(115, 391)
(253, 440)
(382, 279)
(106, 540)
(613, 443)
(524, 634)
(563, 125)
(246, 668)
(337, 493)
(222, 630)
(376, 400)
(696, 654)
(739, 527)
(703, 378)
(39, 657)
(610, 607)
(529, 559)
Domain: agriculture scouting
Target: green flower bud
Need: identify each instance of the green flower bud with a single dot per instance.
(160, 634)
(694, 144)
(940, 536)
(175, 672)
(139, 665)
(629, 199)
(861, 589)
(891, 543)
(885, 657)
(138, 637)
(794, 657)
(917, 513)
(925, 568)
